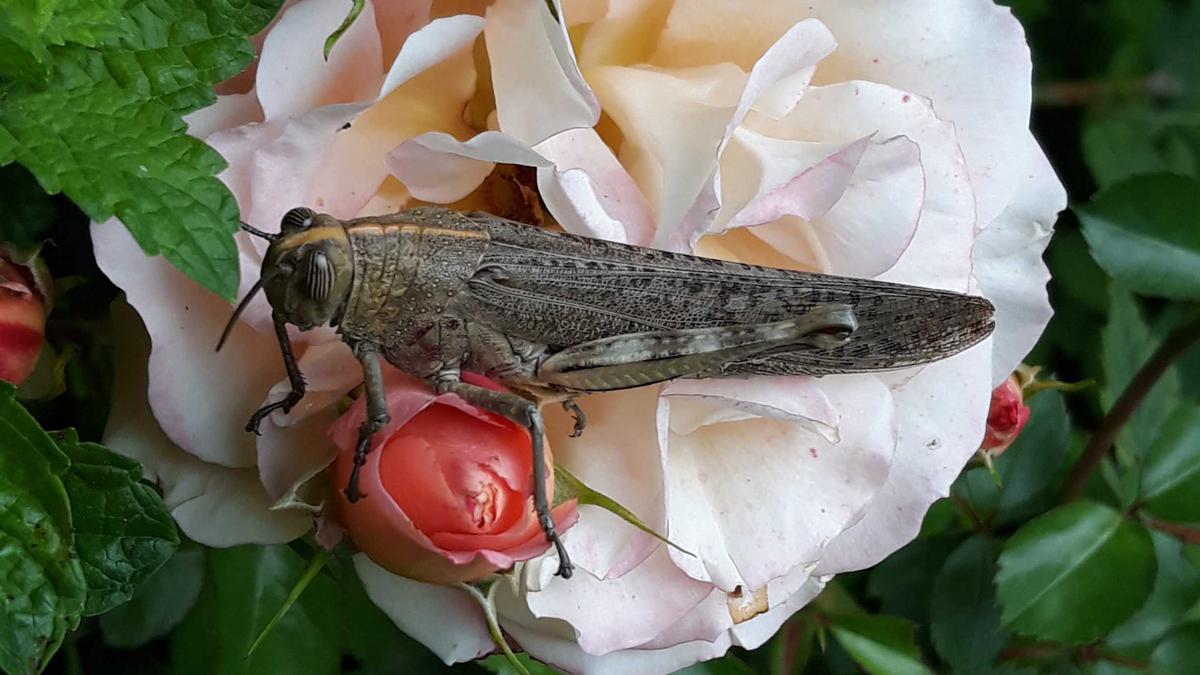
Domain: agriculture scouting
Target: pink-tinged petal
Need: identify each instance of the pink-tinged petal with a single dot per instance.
(444, 619)
(231, 110)
(286, 172)
(214, 505)
(796, 399)
(969, 57)
(190, 386)
(437, 167)
(1008, 262)
(817, 487)
(636, 607)
(427, 88)
(941, 413)
(293, 447)
(532, 61)
(293, 75)
(763, 179)
(712, 619)
(933, 254)
(590, 193)
(396, 20)
(619, 455)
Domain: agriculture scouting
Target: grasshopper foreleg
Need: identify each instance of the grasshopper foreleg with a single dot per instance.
(523, 412)
(377, 414)
(295, 378)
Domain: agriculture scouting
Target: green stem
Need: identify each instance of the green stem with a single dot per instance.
(314, 567)
(1176, 344)
(488, 604)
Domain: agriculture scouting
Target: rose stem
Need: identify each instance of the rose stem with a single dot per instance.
(1176, 344)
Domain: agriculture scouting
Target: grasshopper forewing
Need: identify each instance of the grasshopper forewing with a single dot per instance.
(553, 315)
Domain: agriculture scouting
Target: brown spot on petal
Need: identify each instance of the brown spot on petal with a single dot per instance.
(744, 606)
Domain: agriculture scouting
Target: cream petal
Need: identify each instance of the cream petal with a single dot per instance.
(294, 447)
(427, 87)
(190, 386)
(636, 607)
(941, 414)
(619, 454)
(437, 167)
(970, 58)
(797, 399)
(444, 619)
(214, 505)
(711, 619)
(717, 480)
(531, 61)
(231, 110)
(1008, 262)
(294, 77)
(936, 254)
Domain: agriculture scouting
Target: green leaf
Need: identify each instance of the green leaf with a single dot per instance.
(1055, 580)
(882, 645)
(1127, 345)
(1179, 654)
(1171, 478)
(1145, 232)
(1139, 140)
(112, 152)
(1176, 590)
(28, 30)
(122, 531)
(965, 620)
(242, 587)
(41, 582)
(159, 603)
(314, 568)
(176, 51)
(25, 211)
(726, 665)
(904, 581)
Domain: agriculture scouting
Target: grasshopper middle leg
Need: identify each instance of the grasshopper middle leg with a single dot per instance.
(523, 412)
(377, 414)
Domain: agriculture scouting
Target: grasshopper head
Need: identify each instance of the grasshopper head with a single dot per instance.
(308, 269)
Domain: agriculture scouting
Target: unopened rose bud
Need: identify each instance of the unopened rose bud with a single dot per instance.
(1006, 417)
(22, 319)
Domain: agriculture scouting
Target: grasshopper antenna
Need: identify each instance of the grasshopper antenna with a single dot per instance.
(238, 312)
(259, 233)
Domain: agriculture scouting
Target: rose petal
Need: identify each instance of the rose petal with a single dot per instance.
(935, 255)
(293, 447)
(427, 87)
(444, 619)
(797, 399)
(970, 58)
(184, 323)
(437, 167)
(816, 487)
(231, 110)
(618, 455)
(213, 504)
(1008, 262)
(532, 60)
(396, 20)
(636, 607)
(293, 75)
(941, 413)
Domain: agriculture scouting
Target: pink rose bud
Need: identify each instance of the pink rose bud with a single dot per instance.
(449, 487)
(1006, 417)
(22, 321)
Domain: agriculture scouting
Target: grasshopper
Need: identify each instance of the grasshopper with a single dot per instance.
(552, 316)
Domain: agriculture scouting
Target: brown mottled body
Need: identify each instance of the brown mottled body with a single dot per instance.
(551, 315)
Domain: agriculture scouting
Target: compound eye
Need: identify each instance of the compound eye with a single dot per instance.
(299, 218)
(318, 276)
